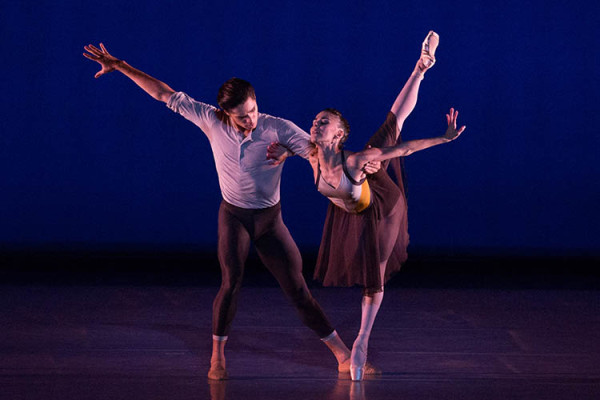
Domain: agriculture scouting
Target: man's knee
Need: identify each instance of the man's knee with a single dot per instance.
(231, 280)
(300, 297)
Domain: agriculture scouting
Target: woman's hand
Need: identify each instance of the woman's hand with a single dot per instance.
(451, 132)
(102, 57)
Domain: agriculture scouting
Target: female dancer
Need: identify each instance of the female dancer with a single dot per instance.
(365, 234)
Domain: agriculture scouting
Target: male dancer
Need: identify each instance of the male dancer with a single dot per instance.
(250, 210)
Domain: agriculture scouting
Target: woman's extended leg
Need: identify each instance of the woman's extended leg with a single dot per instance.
(407, 99)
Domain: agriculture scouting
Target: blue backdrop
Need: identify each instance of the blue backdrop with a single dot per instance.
(98, 163)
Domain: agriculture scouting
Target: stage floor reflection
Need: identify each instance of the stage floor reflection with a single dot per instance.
(153, 342)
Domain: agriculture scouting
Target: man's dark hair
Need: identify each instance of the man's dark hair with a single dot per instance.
(234, 92)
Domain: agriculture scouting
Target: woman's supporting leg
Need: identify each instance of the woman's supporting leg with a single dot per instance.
(369, 308)
(387, 233)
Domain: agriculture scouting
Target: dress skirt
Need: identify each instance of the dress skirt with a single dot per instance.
(350, 251)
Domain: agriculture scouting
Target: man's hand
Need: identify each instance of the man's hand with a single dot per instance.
(102, 57)
(277, 153)
(371, 167)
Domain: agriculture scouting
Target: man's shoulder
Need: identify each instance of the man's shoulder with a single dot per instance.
(282, 125)
(184, 98)
(272, 119)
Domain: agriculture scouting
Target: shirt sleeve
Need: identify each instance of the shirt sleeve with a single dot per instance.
(295, 139)
(200, 114)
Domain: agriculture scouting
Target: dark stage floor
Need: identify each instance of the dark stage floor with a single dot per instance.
(125, 338)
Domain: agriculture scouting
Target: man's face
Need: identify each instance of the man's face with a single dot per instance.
(244, 116)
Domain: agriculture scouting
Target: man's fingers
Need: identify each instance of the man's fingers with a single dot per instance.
(103, 48)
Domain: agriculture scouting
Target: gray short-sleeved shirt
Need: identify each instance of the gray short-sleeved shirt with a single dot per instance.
(246, 177)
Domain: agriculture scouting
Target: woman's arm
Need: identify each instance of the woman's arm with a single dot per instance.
(409, 147)
(278, 153)
(155, 88)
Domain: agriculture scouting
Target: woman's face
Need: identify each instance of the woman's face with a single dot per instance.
(326, 128)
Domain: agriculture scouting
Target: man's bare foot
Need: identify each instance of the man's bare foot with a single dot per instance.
(217, 371)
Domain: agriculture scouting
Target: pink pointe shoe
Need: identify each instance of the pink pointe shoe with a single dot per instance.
(358, 360)
(369, 369)
(430, 44)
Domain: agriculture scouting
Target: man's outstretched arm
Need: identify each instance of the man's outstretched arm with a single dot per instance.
(155, 88)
